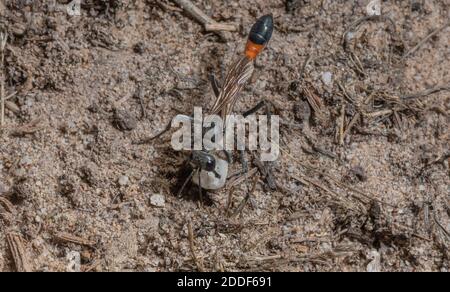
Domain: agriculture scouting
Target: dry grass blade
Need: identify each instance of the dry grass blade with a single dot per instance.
(17, 248)
(7, 205)
(366, 194)
(341, 124)
(3, 40)
(368, 18)
(266, 172)
(12, 107)
(427, 92)
(93, 266)
(425, 39)
(220, 27)
(238, 180)
(192, 247)
(314, 101)
(66, 237)
(245, 200)
(30, 128)
(346, 203)
(351, 124)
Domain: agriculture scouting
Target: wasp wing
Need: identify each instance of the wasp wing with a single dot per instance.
(234, 82)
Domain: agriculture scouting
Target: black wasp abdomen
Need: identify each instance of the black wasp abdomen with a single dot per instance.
(262, 30)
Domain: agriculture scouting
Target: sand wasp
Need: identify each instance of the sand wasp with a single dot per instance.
(209, 171)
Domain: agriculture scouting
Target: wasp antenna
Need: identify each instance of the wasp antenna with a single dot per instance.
(215, 85)
(180, 192)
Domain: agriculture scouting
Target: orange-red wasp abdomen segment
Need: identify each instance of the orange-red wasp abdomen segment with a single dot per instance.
(252, 50)
(259, 36)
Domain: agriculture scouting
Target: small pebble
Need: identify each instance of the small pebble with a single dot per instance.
(302, 111)
(124, 180)
(25, 161)
(74, 259)
(124, 120)
(327, 78)
(139, 48)
(373, 8)
(3, 188)
(157, 200)
(359, 172)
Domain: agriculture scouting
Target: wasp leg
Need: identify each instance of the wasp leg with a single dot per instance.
(253, 110)
(200, 187)
(242, 155)
(215, 85)
(229, 157)
(257, 107)
(166, 129)
(244, 162)
(186, 182)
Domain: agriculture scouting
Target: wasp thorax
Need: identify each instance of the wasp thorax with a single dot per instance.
(203, 160)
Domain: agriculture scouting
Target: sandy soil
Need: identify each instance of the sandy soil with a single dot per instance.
(78, 193)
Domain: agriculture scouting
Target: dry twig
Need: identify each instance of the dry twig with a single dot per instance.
(7, 205)
(16, 246)
(200, 16)
(369, 195)
(3, 40)
(192, 247)
(66, 237)
(245, 200)
(220, 27)
(30, 128)
(314, 101)
(12, 107)
(427, 92)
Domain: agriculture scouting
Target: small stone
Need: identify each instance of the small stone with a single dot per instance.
(19, 29)
(139, 48)
(21, 191)
(124, 180)
(302, 111)
(3, 188)
(359, 172)
(26, 161)
(88, 173)
(19, 172)
(374, 265)
(71, 127)
(74, 259)
(373, 8)
(327, 78)
(349, 37)
(416, 6)
(66, 185)
(124, 121)
(157, 200)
